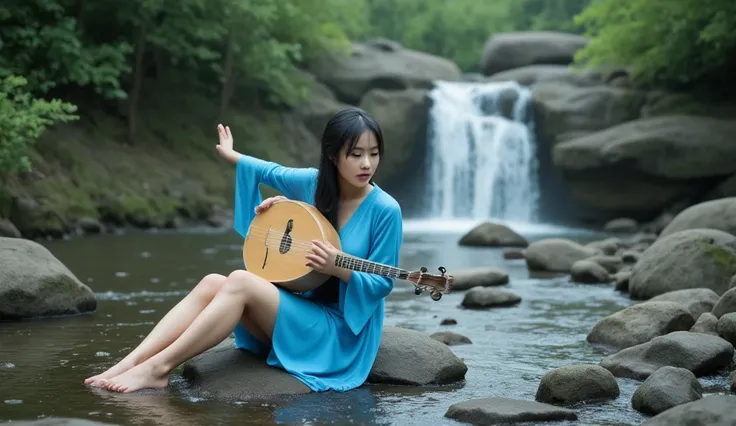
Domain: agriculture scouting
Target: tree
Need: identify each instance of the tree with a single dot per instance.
(23, 119)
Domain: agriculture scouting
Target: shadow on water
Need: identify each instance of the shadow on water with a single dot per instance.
(138, 277)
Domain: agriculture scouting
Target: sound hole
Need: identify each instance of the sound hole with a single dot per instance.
(285, 244)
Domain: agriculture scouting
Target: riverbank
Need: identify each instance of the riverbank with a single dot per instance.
(87, 179)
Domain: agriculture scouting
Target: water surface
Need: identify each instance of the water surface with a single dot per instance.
(137, 277)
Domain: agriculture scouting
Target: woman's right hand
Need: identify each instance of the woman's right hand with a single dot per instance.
(225, 147)
(268, 202)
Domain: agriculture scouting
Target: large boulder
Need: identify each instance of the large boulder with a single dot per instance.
(403, 116)
(489, 234)
(640, 167)
(555, 254)
(703, 354)
(697, 258)
(577, 383)
(562, 108)
(713, 410)
(505, 51)
(381, 64)
(319, 106)
(34, 283)
(640, 323)
(715, 214)
(405, 357)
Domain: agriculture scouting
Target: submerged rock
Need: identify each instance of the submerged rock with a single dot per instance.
(490, 234)
(493, 410)
(405, 357)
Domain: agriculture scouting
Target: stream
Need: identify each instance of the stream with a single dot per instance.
(138, 276)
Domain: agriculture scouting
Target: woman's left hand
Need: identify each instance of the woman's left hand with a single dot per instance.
(322, 256)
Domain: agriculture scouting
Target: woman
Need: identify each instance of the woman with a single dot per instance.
(327, 338)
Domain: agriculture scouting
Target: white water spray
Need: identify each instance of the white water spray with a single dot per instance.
(482, 153)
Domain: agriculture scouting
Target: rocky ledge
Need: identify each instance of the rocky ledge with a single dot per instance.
(405, 357)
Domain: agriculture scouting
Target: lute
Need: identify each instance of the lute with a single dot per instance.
(278, 239)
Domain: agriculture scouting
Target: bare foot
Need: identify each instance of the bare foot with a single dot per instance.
(113, 371)
(142, 376)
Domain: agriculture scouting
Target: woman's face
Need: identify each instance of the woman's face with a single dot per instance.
(358, 166)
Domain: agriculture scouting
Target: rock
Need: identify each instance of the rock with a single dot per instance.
(630, 256)
(8, 230)
(489, 297)
(609, 246)
(695, 300)
(589, 272)
(707, 323)
(716, 214)
(555, 254)
(563, 108)
(513, 254)
(318, 107)
(381, 65)
(408, 357)
(611, 264)
(450, 339)
(621, 225)
(490, 234)
(59, 421)
(495, 410)
(34, 283)
(403, 115)
(640, 323)
(666, 388)
(726, 327)
(89, 225)
(733, 381)
(449, 321)
(531, 75)
(702, 354)
(621, 280)
(505, 51)
(639, 167)
(713, 410)
(726, 303)
(577, 383)
(479, 277)
(694, 258)
(227, 373)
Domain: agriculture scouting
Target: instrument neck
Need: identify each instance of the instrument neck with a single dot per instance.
(343, 260)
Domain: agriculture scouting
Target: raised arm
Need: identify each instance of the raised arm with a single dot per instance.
(250, 172)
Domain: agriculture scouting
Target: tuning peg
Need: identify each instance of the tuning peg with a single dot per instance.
(442, 270)
(423, 269)
(417, 291)
(436, 296)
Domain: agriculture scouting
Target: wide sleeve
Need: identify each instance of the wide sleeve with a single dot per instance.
(250, 172)
(365, 291)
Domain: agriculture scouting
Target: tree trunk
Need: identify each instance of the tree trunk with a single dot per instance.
(228, 83)
(80, 17)
(140, 50)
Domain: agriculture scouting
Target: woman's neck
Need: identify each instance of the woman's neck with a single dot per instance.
(351, 193)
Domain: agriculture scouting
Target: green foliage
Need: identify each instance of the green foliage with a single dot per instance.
(40, 41)
(458, 29)
(669, 43)
(22, 120)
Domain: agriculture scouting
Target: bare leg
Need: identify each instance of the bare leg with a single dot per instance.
(171, 326)
(241, 291)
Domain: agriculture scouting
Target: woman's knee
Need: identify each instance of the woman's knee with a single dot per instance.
(238, 282)
(209, 285)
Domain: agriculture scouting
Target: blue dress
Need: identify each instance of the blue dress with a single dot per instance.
(325, 347)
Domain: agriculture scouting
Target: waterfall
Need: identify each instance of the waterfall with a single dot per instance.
(482, 153)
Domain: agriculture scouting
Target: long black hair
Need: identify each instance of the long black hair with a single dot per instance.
(343, 129)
